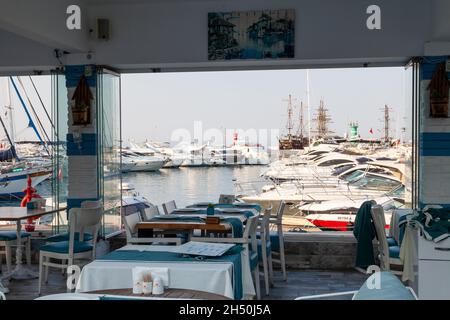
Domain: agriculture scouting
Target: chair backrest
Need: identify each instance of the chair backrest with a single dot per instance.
(377, 213)
(86, 219)
(150, 213)
(130, 222)
(396, 230)
(169, 207)
(227, 198)
(250, 233)
(264, 224)
(280, 211)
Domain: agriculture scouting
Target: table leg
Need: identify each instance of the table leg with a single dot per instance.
(21, 272)
(3, 289)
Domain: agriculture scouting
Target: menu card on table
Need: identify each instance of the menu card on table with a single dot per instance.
(204, 248)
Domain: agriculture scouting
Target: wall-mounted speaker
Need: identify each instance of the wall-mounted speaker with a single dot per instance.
(103, 29)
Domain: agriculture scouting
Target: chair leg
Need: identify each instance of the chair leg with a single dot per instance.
(63, 261)
(28, 251)
(69, 263)
(41, 270)
(47, 259)
(282, 256)
(8, 257)
(270, 262)
(266, 274)
(257, 283)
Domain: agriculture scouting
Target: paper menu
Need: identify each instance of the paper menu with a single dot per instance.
(210, 249)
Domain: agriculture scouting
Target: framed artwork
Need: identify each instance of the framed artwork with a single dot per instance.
(263, 34)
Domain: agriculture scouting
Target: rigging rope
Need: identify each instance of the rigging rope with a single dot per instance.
(41, 127)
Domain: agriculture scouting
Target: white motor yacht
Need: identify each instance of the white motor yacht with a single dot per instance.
(133, 161)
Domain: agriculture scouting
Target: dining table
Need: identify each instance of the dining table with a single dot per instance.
(232, 218)
(170, 293)
(227, 276)
(17, 215)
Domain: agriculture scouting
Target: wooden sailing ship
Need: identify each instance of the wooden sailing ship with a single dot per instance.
(293, 141)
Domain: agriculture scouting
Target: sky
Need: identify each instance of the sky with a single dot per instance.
(163, 106)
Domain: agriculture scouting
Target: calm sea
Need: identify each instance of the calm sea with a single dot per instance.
(190, 185)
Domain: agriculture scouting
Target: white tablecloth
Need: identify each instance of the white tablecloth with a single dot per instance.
(214, 277)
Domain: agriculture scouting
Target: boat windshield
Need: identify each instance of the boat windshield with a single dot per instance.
(355, 175)
(341, 168)
(378, 183)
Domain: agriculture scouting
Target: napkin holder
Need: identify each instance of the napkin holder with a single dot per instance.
(212, 220)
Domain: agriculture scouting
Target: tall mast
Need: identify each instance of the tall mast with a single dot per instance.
(387, 119)
(9, 107)
(322, 119)
(300, 129)
(309, 107)
(289, 124)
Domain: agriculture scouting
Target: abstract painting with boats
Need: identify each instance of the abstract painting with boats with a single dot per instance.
(264, 34)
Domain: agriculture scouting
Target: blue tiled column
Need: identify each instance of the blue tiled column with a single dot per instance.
(434, 144)
(82, 142)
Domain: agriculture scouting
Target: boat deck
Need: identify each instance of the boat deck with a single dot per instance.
(299, 283)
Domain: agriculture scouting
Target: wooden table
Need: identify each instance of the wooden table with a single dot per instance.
(18, 214)
(168, 294)
(145, 229)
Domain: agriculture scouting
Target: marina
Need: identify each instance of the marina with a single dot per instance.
(166, 150)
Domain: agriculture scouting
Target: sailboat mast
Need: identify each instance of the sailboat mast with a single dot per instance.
(309, 107)
(301, 121)
(10, 111)
(289, 112)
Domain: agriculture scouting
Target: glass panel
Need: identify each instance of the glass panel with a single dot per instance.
(59, 146)
(109, 133)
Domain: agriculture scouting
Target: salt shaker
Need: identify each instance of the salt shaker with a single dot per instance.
(137, 286)
(147, 287)
(158, 285)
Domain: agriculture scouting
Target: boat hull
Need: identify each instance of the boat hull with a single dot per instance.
(13, 184)
(143, 166)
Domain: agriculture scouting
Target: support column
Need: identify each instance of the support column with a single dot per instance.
(434, 143)
(82, 148)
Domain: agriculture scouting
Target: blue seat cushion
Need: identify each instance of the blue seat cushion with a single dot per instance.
(11, 235)
(391, 242)
(253, 257)
(268, 249)
(391, 288)
(274, 239)
(65, 237)
(63, 247)
(394, 252)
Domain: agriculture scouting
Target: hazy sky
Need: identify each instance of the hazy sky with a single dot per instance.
(154, 106)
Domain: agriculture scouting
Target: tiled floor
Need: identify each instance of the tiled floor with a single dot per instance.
(299, 283)
(312, 282)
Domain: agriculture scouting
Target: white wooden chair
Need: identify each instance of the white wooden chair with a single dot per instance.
(250, 244)
(82, 220)
(388, 255)
(131, 221)
(8, 241)
(169, 207)
(277, 239)
(265, 248)
(150, 212)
